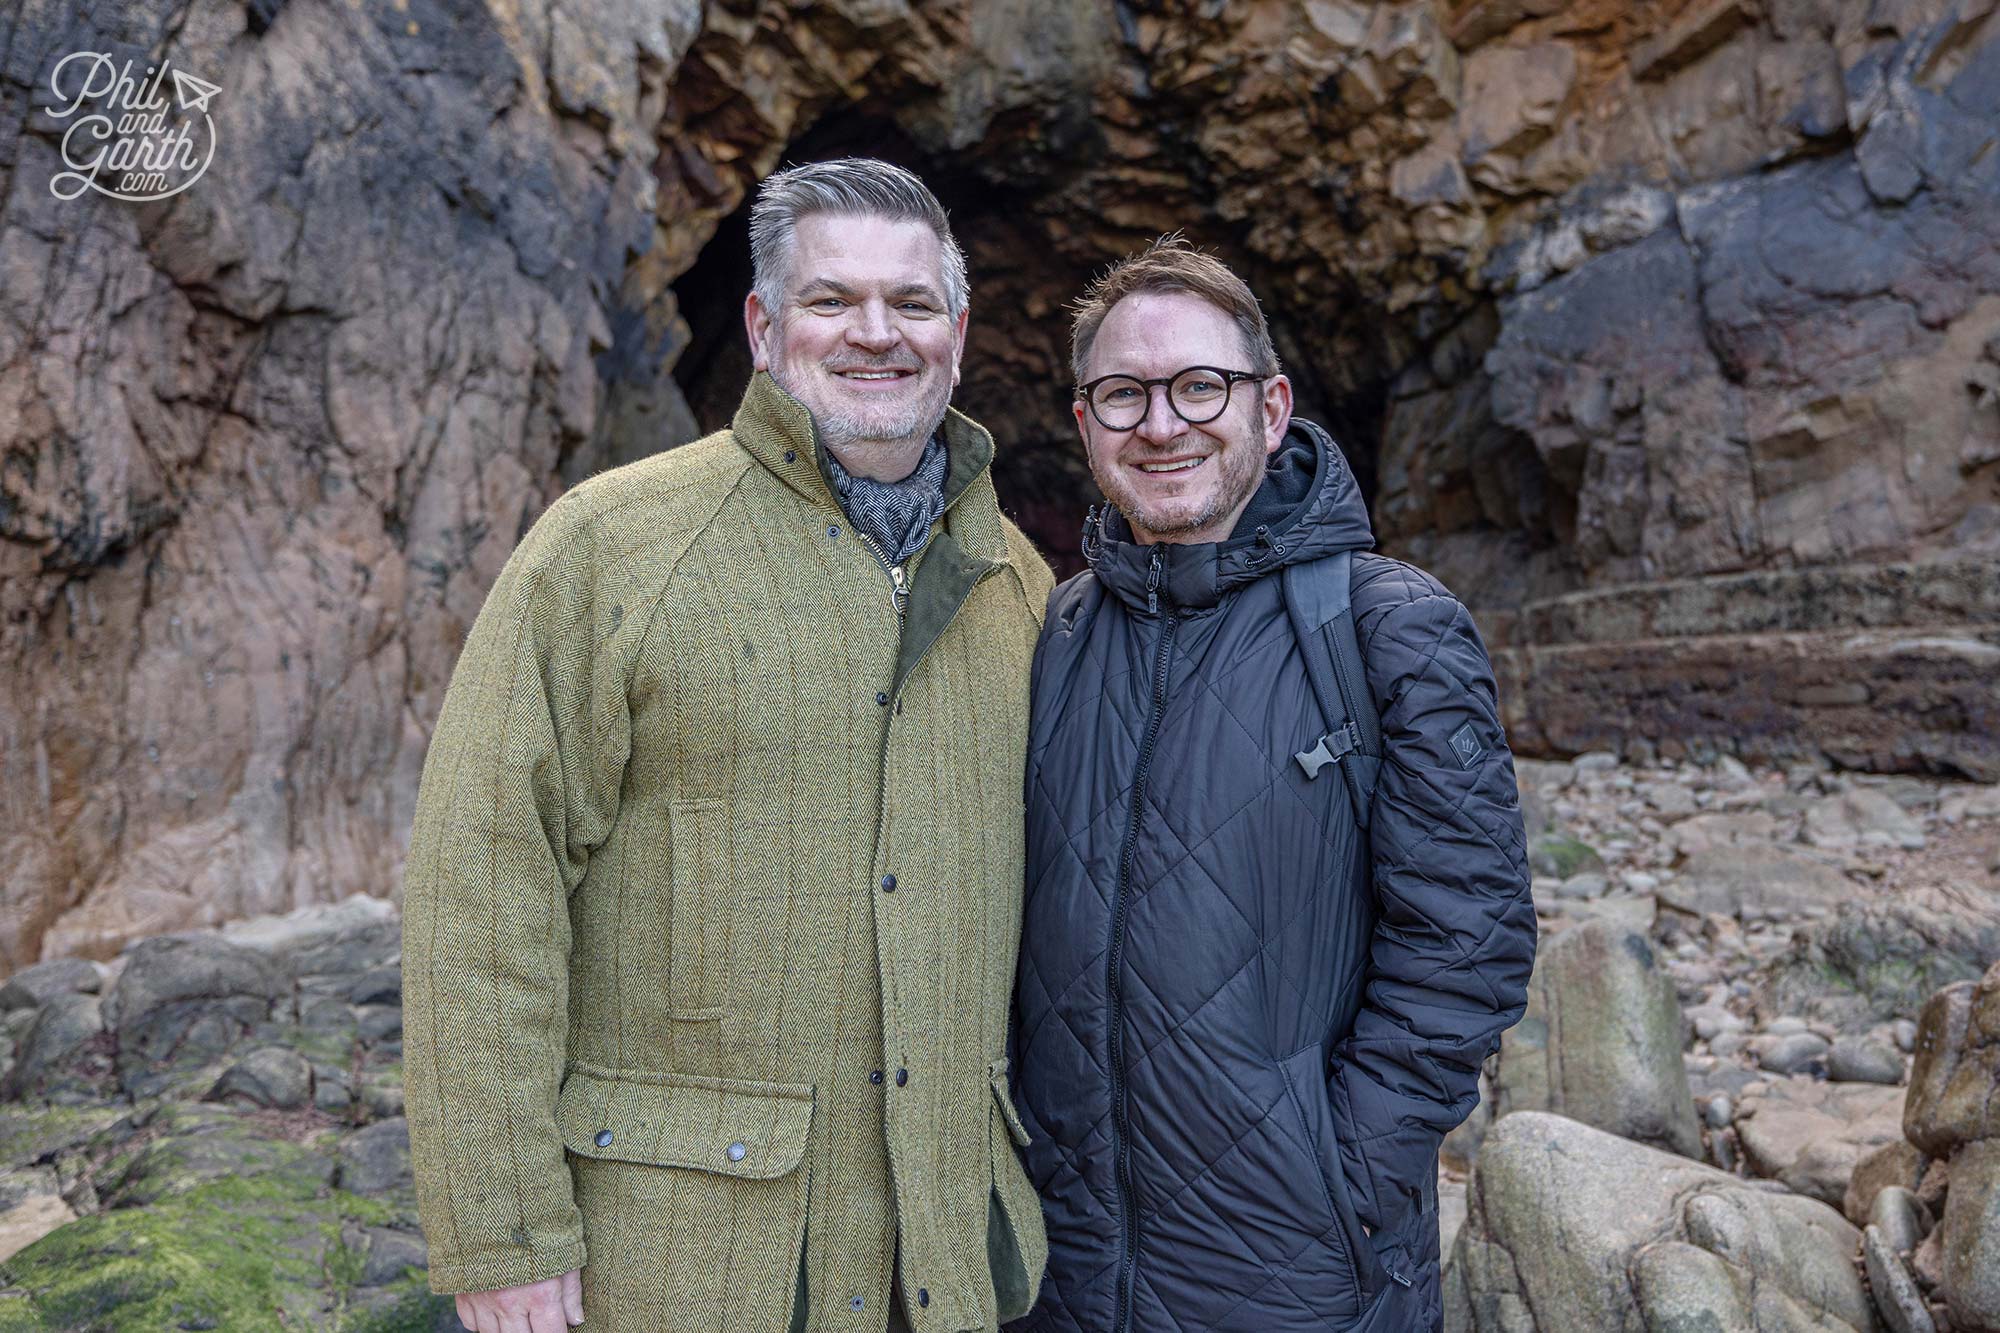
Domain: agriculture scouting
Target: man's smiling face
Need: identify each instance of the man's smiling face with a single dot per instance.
(863, 336)
(1176, 482)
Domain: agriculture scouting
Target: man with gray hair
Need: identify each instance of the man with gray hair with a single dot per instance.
(715, 887)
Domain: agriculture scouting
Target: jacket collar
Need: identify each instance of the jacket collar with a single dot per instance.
(777, 430)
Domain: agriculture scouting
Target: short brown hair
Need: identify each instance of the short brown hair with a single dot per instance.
(1171, 264)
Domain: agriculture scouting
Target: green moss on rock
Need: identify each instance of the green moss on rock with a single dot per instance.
(1558, 856)
(29, 1132)
(245, 1254)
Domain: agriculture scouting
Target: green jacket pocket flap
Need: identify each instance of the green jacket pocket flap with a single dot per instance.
(997, 1072)
(733, 1127)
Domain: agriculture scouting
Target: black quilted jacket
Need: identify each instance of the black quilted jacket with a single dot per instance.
(1244, 1025)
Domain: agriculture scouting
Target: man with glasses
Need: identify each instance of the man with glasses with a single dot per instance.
(1278, 907)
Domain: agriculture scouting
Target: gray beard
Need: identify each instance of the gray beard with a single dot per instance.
(912, 430)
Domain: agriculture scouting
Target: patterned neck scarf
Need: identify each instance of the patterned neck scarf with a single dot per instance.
(897, 514)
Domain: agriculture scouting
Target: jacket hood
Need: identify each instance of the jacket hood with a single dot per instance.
(1308, 506)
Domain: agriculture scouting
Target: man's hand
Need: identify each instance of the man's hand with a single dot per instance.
(552, 1305)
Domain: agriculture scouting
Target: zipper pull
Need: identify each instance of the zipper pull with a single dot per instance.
(900, 593)
(1153, 581)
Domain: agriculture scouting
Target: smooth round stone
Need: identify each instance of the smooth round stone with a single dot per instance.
(1588, 884)
(1793, 1053)
(1719, 1111)
(1864, 1060)
(1899, 1217)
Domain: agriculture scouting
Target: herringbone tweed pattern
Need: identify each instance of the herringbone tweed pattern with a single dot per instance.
(666, 1019)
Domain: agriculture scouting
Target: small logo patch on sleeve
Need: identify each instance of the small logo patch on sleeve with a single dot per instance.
(1465, 744)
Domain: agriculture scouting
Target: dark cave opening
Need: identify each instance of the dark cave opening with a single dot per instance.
(1016, 379)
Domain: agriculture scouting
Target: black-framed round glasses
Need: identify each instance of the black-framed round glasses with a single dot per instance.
(1198, 395)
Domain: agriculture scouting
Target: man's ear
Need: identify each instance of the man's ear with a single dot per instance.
(958, 345)
(1277, 409)
(1082, 426)
(757, 324)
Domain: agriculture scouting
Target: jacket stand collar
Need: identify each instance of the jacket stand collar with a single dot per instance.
(778, 431)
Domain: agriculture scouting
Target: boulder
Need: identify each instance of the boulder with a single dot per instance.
(1856, 1059)
(1969, 1239)
(1559, 856)
(1811, 1136)
(38, 984)
(184, 1002)
(1894, 1289)
(391, 1255)
(28, 1220)
(213, 1219)
(1879, 959)
(1600, 1041)
(1723, 829)
(1567, 1221)
(1899, 1219)
(1898, 1164)
(272, 1076)
(344, 938)
(376, 1159)
(1671, 800)
(1635, 913)
(1956, 1068)
(1862, 817)
(60, 1057)
(175, 1147)
(1791, 1053)
(1973, 803)
(1754, 881)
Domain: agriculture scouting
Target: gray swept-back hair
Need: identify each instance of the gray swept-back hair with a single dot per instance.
(847, 187)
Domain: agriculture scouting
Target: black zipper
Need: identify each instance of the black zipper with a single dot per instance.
(1120, 1128)
(1366, 732)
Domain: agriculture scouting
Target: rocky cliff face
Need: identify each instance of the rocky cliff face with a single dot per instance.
(1668, 334)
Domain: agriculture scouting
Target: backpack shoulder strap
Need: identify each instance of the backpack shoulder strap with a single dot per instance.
(1318, 599)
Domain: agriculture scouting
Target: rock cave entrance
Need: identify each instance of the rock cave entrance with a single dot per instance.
(1029, 252)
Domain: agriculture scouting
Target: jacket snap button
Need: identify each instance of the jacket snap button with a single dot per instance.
(882, 699)
(923, 1298)
(874, 1076)
(888, 883)
(902, 1077)
(833, 529)
(604, 1138)
(791, 456)
(856, 1303)
(736, 1151)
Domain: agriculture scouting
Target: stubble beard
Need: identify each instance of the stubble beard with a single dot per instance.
(842, 431)
(1241, 463)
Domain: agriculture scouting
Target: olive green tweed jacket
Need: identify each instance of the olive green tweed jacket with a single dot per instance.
(713, 899)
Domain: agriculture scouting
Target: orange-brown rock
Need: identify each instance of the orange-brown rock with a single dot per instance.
(1602, 298)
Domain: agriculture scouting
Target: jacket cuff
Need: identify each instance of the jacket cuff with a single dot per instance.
(495, 1269)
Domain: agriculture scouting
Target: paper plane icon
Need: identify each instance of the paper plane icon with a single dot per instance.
(192, 92)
